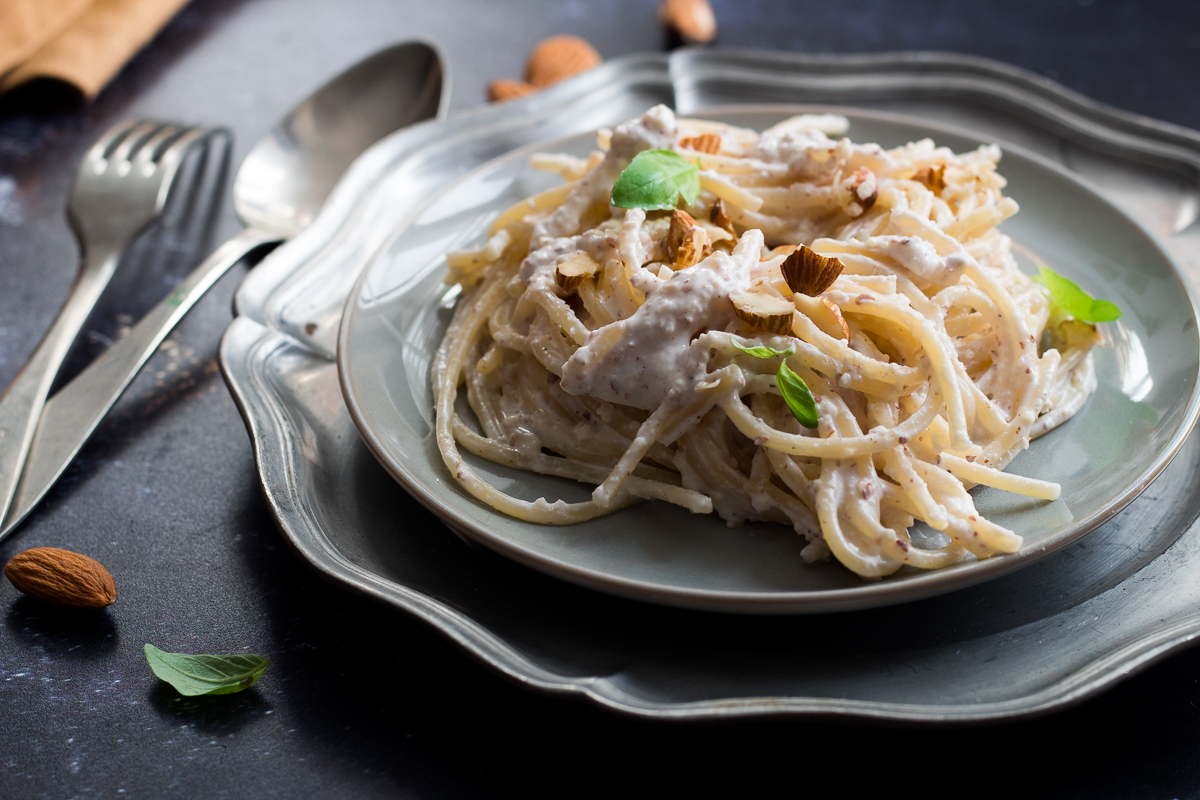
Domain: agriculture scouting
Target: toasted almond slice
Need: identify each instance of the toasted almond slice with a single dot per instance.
(934, 177)
(571, 271)
(687, 242)
(863, 191)
(704, 143)
(823, 313)
(809, 273)
(695, 248)
(681, 223)
(720, 217)
(763, 311)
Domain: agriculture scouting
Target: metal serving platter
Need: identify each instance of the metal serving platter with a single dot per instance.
(1048, 635)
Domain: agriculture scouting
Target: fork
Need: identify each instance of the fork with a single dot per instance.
(122, 184)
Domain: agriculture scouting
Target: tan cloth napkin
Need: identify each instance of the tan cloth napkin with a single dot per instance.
(82, 42)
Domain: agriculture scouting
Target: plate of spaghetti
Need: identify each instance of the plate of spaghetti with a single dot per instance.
(772, 360)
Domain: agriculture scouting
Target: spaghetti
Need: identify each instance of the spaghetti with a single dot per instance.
(641, 351)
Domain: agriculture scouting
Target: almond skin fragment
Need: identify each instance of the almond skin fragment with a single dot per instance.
(62, 578)
(558, 58)
(763, 311)
(933, 177)
(503, 89)
(687, 242)
(572, 271)
(692, 20)
(719, 217)
(705, 143)
(809, 273)
(824, 314)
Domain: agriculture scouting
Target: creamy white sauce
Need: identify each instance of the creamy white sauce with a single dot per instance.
(655, 355)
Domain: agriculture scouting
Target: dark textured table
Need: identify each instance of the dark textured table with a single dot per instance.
(360, 701)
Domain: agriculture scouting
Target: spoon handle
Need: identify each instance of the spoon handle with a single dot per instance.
(69, 418)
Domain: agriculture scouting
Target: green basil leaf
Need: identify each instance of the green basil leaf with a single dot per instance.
(759, 351)
(797, 396)
(1074, 301)
(197, 675)
(655, 179)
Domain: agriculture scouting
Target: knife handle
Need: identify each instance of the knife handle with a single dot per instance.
(72, 414)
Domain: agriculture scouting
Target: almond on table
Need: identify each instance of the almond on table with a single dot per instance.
(692, 20)
(552, 60)
(558, 58)
(62, 578)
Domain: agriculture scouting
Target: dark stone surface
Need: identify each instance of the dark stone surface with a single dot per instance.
(360, 701)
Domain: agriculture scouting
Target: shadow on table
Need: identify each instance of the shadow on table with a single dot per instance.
(211, 715)
(62, 632)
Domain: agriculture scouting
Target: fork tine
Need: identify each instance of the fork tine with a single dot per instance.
(171, 158)
(134, 140)
(148, 153)
(111, 138)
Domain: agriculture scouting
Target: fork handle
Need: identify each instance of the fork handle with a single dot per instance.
(22, 402)
(70, 417)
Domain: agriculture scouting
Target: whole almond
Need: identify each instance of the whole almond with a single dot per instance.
(693, 20)
(503, 89)
(62, 578)
(558, 58)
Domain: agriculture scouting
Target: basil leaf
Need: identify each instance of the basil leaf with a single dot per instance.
(759, 351)
(1074, 301)
(197, 675)
(797, 396)
(655, 179)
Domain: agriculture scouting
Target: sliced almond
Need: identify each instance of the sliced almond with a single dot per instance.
(720, 217)
(809, 273)
(695, 247)
(824, 314)
(863, 191)
(763, 311)
(503, 89)
(687, 242)
(558, 58)
(933, 177)
(573, 270)
(704, 143)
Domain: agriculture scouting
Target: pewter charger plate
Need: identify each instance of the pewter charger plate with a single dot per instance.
(1103, 458)
(1034, 640)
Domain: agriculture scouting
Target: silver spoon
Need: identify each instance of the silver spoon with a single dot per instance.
(279, 188)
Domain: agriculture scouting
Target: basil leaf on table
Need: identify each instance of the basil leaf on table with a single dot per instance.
(759, 351)
(655, 179)
(1074, 301)
(205, 674)
(797, 396)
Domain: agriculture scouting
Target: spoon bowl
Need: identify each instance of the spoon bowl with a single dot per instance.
(289, 172)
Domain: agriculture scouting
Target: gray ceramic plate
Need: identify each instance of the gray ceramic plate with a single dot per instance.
(1109, 453)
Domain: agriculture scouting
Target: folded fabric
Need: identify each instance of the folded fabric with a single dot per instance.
(82, 42)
